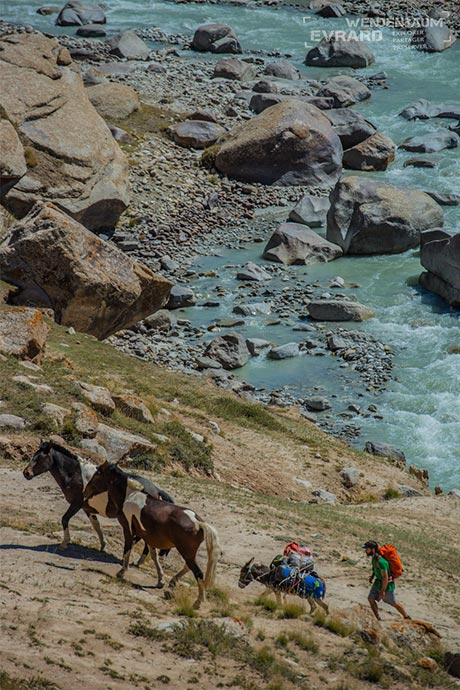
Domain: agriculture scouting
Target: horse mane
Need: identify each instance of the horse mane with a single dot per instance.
(65, 451)
(133, 484)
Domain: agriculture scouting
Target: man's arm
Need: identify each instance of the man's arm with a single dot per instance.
(384, 583)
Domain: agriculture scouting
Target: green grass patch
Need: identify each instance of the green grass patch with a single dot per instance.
(303, 640)
(266, 602)
(8, 682)
(291, 609)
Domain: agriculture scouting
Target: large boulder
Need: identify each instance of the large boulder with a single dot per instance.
(338, 310)
(441, 258)
(293, 243)
(77, 13)
(374, 153)
(424, 110)
(310, 210)
(127, 44)
(196, 134)
(72, 159)
(13, 164)
(431, 142)
(89, 284)
(372, 217)
(433, 39)
(215, 38)
(344, 91)
(23, 333)
(234, 68)
(113, 101)
(282, 69)
(229, 350)
(338, 52)
(261, 101)
(291, 143)
(350, 126)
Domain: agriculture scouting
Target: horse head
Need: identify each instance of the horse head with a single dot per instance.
(41, 461)
(246, 574)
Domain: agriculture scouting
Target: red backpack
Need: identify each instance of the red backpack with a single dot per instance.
(389, 553)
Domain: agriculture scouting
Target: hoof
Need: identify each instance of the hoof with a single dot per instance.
(197, 605)
(63, 545)
(160, 585)
(121, 574)
(169, 594)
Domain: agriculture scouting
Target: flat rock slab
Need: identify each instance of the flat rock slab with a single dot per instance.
(253, 272)
(120, 444)
(193, 134)
(294, 243)
(133, 406)
(98, 396)
(12, 421)
(23, 333)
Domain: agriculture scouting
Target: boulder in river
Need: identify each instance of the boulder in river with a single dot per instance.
(253, 272)
(215, 38)
(433, 39)
(441, 258)
(344, 91)
(424, 110)
(339, 52)
(291, 143)
(338, 310)
(77, 13)
(127, 44)
(374, 153)
(431, 142)
(310, 210)
(372, 217)
(91, 285)
(113, 101)
(261, 101)
(193, 134)
(386, 450)
(350, 126)
(180, 297)
(72, 158)
(234, 68)
(294, 243)
(13, 164)
(282, 69)
(285, 351)
(230, 350)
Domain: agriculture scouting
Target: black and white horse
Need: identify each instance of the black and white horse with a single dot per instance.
(72, 475)
(160, 524)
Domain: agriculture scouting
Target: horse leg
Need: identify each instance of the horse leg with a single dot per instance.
(70, 512)
(312, 603)
(154, 556)
(143, 556)
(323, 604)
(177, 576)
(127, 546)
(96, 526)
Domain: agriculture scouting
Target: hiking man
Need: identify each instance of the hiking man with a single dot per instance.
(383, 586)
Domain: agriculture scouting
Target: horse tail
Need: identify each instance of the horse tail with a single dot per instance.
(214, 552)
(165, 496)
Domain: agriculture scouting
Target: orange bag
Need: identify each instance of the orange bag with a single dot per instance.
(388, 551)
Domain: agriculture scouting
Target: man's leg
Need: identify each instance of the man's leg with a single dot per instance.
(390, 598)
(372, 599)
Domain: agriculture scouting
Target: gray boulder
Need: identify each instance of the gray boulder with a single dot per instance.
(74, 161)
(253, 272)
(252, 309)
(265, 86)
(13, 164)
(331, 10)
(113, 101)
(350, 126)
(433, 39)
(162, 320)
(261, 101)
(432, 142)
(338, 310)
(444, 199)
(294, 243)
(424, 110)
(317, 403)
(374, 153)
(127, 44)
(345, 91)
(256, 345)
(76, 13)
(441, 258)
(291, 143)
(386, 450)
(234, 68)
(12, 421)
(89, 284)
(285, 351)
(310, 210)
(193, 134)
(282, 69)
(372, 217)
(338, 52)
(215, 38)
(350, 477)
(91, 31)
(180, 297)
(325, 496)
(229, 350)
(409, 491)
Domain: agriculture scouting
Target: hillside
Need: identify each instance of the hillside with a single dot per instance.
(64, 616)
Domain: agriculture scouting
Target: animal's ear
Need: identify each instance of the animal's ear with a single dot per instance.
(45, 446)
(249, 563)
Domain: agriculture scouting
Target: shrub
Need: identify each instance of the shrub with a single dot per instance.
(304, 641)
(266, 602)
(292, 609)
(391, 493)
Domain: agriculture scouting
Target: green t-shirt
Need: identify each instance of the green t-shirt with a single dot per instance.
(379, 565)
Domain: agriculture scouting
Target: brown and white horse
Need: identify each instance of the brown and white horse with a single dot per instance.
(161, 525)
(72, 474)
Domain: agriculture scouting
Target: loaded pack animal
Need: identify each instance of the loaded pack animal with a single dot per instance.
(286, 580)
(72, 475)
(161, 525)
